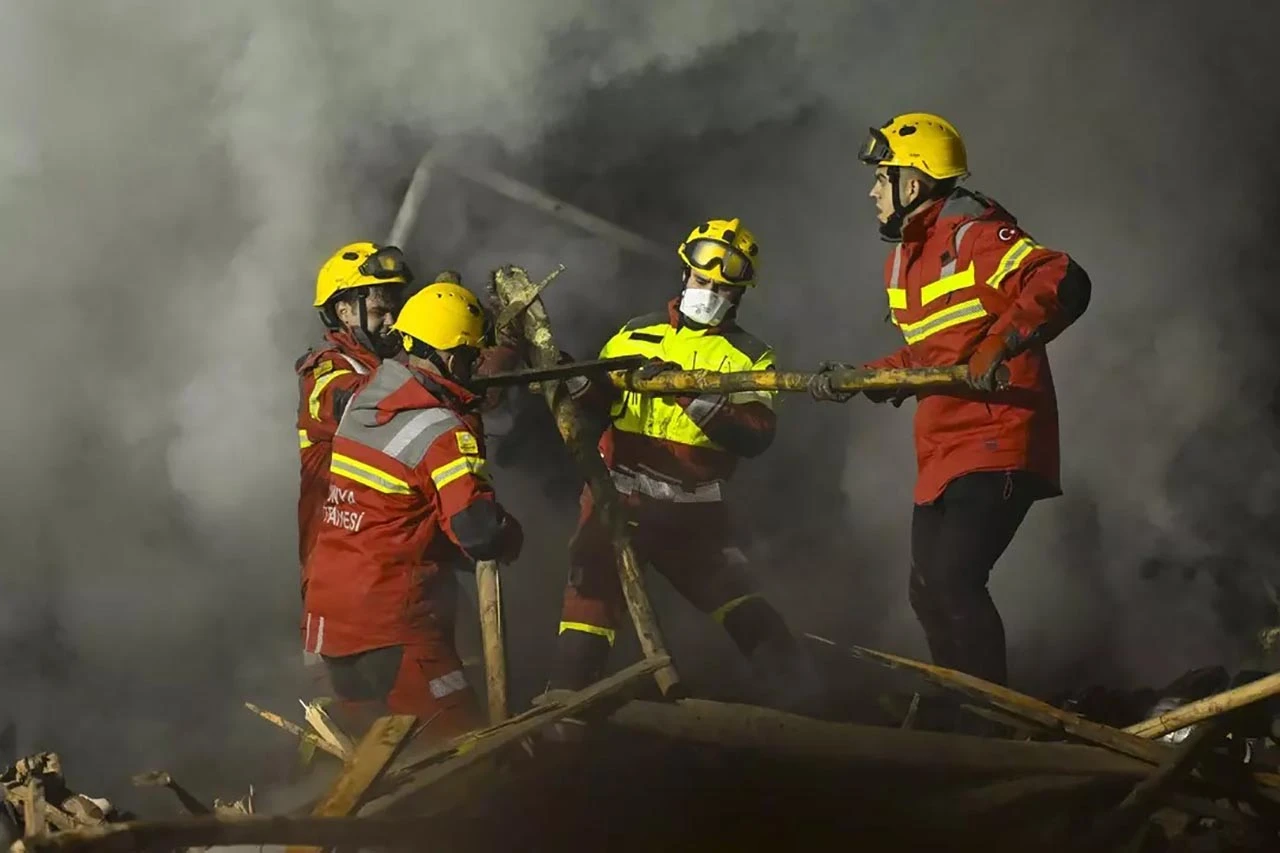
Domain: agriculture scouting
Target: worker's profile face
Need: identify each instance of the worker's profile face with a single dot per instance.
(882, 194)
(380, 314)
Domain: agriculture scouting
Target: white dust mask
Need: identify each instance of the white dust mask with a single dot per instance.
(705, 306)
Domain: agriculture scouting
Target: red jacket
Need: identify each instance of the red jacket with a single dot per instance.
(964, 271)
(328, 377)
(408, 493)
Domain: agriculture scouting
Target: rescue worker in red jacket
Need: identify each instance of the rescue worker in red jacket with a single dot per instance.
(357, 294)
(967, 285)
(669, 458)
(358, 291)
(408, 494)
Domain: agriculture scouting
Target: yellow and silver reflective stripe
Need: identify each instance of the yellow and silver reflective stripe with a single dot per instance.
(313, 404)
(582, 627)
(446, 474)
(352, 469)
(450, 682)
(629, 482)
(897, 298)
(729, 606)
(947, 284)
(703, 408)
(1012, 260)
(944, 319)
(304, 440)
(738, 398)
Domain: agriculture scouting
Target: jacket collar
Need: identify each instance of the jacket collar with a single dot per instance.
(346, 343)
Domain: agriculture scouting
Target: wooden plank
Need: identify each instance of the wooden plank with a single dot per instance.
(330, 731)
(792, 736)
(297, 731)
(33, 807)
(489, 593)
(368, 762)
(1040, 713)
(1018, 704)
(511, 284)
(1207, 708)
(1120, 823)
(422, 773)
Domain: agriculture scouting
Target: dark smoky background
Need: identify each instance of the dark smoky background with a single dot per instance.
(172, 175)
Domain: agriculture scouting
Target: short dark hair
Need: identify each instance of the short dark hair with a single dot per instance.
(929, 187)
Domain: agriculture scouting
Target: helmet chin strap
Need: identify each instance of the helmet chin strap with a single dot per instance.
(891, 231)
(365, 337)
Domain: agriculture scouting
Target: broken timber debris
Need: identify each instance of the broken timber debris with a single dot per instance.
(36, 799)
(162, 779)
(421, 773)
(1208, 707)
(330, 731)
(1041, 713)
(298, 731)
(368, 762)
(1145, 797)
(510, 284)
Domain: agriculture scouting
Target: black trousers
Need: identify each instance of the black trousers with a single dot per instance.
(955, 542)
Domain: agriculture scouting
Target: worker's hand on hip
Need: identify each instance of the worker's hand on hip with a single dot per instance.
(984, 364)
(654, 366)
(820, 385)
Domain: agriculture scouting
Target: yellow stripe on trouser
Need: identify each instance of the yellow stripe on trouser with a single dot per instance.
(304, 440)
(729, 606)
(944, 319)
(582, 627)
(345, 466)
(1012, 260)
(446, 474)
(313, 403)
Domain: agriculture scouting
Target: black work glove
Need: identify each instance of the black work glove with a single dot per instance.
(654, 366)
(820, 384)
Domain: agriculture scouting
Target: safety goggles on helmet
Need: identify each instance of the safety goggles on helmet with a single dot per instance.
(386, 263)
(708, 254)
(876, 149)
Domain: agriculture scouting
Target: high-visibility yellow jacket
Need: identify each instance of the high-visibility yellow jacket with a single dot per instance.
(680, 448)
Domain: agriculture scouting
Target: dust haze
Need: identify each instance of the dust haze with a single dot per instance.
(172, 174)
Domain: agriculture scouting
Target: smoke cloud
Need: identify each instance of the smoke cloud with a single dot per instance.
(171, 175)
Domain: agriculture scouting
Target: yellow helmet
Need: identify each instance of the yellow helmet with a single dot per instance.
(722, 250)
(360, 265)
(922, 141)
(441, 316)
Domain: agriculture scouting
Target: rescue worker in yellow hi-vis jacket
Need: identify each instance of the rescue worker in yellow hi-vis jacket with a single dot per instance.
(669, 457)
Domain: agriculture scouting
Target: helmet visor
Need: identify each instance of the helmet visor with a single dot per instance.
(386, 263)
(876, 149)
(707, 255)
